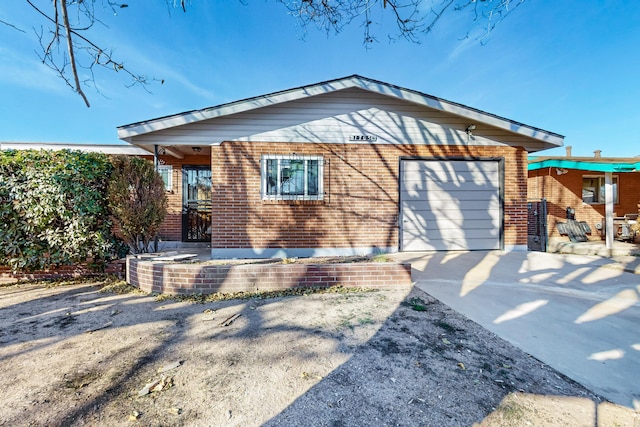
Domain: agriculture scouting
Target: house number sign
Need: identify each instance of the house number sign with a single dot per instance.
(363, 138)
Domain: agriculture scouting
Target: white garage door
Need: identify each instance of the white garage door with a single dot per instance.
(449, 205)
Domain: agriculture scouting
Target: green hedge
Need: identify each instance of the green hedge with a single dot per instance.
(53, 209)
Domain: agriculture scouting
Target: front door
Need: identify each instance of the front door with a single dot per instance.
(196, 204)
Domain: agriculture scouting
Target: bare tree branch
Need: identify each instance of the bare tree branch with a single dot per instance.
(69, 23)
(67, 66)
(414, 18)
(438, 15)
(8, 24)
(72, 58)
(56, 33)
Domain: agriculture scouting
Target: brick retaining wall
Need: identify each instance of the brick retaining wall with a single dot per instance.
(172, 278)
(64, 271)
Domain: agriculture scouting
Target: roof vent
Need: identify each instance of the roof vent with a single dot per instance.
(596, 153)
(568, 148)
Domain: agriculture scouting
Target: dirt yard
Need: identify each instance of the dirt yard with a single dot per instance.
(72, 355)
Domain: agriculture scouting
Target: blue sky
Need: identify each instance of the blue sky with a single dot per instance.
(568, 67)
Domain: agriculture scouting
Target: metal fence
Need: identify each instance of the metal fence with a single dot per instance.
(537, 235)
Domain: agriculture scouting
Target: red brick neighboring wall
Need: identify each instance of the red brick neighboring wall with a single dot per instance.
(65, 271)
(360, 208)
(161, 277)
(562, 191)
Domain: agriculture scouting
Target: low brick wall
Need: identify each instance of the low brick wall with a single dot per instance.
(172, 278)
(64, 271)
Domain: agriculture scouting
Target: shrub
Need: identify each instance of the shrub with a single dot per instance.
(53, 209)
(137, 201)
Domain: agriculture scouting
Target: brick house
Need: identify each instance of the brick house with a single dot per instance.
(579, 183)
(348, 166)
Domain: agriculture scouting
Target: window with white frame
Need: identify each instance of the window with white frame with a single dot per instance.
(166, 172)
(593, 189)
(292, 177)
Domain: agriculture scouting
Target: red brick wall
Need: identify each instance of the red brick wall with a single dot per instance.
(515, 195)
(166, 278)
(360, 208)
(115, 267)
(562, 191)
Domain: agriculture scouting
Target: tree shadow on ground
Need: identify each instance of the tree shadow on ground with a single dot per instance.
(355, 359)
(428, 365)
(561, 309)
(81, 356)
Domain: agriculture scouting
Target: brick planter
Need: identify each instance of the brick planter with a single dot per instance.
(172, 278)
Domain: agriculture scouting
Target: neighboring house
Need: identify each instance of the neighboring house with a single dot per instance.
(88, 148)
(348, 166)
(579, 183)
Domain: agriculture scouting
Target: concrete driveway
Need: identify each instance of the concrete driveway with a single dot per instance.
(573, 312)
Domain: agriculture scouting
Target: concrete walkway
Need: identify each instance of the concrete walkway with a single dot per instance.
(579, 314)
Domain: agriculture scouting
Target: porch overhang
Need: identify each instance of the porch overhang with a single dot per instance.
(606, 165)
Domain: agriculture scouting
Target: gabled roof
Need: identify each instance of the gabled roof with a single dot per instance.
(594, 164)
(354, 81)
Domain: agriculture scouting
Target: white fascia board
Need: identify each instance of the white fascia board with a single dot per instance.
(549, 139)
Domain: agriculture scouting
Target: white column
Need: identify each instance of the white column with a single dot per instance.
(608, 209)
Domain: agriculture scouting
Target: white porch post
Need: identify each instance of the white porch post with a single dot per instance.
(608, 209)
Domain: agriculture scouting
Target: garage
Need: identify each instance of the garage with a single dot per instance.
(450, 205)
